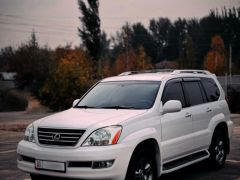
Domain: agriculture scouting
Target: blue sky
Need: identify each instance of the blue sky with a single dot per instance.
(56, 21)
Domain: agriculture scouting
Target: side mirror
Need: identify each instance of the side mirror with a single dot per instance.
(172, 106)
(75, 102)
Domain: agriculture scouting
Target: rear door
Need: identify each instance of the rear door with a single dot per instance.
(177, 126)
(212, 107)
(201, 111)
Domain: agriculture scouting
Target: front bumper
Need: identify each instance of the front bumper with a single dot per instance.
(121, 155)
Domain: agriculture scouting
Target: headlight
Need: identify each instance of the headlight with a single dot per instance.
(29, 134)
(104, 136)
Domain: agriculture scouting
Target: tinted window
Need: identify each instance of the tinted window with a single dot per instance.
(193, 92)
(128, 94)
(173, 91)
(211, 89)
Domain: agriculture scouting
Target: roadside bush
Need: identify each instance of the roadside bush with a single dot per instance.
(233, 97)
(69, 80)
(12, 100)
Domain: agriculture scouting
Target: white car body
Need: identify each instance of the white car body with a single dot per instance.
(176, 134)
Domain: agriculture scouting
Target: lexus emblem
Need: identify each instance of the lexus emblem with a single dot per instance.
(56, 137)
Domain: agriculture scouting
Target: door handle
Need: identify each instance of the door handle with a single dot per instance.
(188, 115)
(208, 110)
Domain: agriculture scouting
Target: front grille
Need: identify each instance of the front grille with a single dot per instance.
(59, 137)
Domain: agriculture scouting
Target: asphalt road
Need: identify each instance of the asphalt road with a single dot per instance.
(10, 138)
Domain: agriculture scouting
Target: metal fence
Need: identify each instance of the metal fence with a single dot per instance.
(227, 81)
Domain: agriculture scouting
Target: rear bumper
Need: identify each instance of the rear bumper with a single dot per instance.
(121, 155)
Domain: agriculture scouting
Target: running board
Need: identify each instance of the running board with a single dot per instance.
(185, 161)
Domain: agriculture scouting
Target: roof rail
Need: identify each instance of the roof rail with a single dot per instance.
(145, 71)
(128, 73)
(191, 71)
(194, 71)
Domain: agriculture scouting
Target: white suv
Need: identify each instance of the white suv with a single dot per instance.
(132, 126)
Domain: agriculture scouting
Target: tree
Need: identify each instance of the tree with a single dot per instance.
(138, 60)
(193, 30)
(105, 55)
(215, 60)
(187, 59)
(32, 65)
(140, 36)
(104, 44)
(160, 30)
(71, 78)
(121, 42)
(6, 56)
(90, 32)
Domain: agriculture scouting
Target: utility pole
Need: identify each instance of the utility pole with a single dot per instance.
(230, 63)
(126, 42)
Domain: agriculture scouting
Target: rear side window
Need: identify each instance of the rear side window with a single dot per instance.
(211, 89)
(173, 91)
(193, 92)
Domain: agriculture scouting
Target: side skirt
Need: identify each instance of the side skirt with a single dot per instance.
(184, 161)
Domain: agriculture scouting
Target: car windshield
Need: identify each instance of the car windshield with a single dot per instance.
(121, 95)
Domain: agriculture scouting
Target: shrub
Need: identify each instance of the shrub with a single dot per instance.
(71, 78)
(233, 97)
(12, 100)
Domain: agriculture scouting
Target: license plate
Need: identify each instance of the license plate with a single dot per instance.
(50, 165)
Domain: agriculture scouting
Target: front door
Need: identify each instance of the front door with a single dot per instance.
(176, 127)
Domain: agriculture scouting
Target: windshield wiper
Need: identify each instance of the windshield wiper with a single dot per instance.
(86, 107)
(118, 107)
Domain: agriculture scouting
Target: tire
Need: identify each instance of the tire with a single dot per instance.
(218, 150)
(142, 166)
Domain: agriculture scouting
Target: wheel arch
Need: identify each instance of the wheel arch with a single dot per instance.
(223, 128)
(152, 145)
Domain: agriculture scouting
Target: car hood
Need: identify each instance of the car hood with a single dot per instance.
(84, 118)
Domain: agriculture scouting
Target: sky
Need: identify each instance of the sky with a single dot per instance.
(56, 21)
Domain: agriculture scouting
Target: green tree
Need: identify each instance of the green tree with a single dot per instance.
(160, 30)
(90, 31)
(32, 65)
(140, 36)
(104, 44)
(187, 59)
(121, 41)
(6, 56)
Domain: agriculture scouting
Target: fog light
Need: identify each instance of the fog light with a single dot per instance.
(102, 164)
(19, 157)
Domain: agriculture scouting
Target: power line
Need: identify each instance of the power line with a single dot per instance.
(34, 25)
(73, 17)
(65, 25)
(52, 33)
(56, 25)
(35, 17)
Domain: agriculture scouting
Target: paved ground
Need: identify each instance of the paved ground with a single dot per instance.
(10, 135)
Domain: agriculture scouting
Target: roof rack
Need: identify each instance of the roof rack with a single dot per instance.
(145, 71)
(191, 71)
(194, 71)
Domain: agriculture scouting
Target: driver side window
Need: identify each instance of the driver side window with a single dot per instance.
(173, 91)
